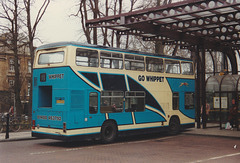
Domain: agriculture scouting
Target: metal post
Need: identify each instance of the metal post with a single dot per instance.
(198, 107)
(220, 103)
(237, 101)
(203, 82)
(7, 127)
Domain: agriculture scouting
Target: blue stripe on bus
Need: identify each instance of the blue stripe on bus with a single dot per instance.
(148, 116)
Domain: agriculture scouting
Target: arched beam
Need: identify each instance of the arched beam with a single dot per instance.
(232, 57)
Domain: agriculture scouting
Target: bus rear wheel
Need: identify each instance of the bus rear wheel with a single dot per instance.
(174, 126)
(108, 132)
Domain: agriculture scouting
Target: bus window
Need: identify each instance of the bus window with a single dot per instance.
(172, 66)
(133, 62)
(154, 64)
(87, 58)
(111, 60)
(135, 101)
(187, 68)
(51, 58)
(111, 101)
(175, 101)
(93, 103)
(189, 100)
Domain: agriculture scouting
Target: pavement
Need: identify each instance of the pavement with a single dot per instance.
(214, 130)
(211, 130)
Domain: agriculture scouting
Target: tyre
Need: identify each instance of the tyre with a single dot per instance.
(174, 126)
(108, 132)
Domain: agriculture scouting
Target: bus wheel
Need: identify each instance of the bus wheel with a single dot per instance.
(174, 126)
(108, 132)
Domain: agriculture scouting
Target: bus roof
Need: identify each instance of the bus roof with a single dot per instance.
(78, 44)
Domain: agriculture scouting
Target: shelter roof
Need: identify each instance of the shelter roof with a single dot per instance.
(213, 24)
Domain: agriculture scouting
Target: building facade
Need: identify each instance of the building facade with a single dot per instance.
(7, 78)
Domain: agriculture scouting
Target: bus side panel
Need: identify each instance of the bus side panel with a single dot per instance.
(148, 116)
(79, 104)
(123, 118)
(182, 86)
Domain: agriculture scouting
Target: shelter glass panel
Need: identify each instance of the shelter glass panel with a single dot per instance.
(229, 83)
(212, 84)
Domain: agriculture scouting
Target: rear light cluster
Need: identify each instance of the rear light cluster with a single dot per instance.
(64, 127)
(33, 124)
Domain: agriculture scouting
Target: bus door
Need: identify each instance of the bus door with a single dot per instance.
(92, 115)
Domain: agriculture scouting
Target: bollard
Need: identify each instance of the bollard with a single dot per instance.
(7, 127)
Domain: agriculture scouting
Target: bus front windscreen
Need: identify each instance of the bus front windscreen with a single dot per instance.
(51, 58)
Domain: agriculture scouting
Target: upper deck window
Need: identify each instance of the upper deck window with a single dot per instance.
(172, 66)
(187, 68)
(154, 64)
(133, 62)
(111, 60)
(51, 58)
(87, 58)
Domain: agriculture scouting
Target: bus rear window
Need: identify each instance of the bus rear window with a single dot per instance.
(51, 58)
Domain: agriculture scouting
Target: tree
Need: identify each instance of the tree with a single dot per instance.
(92, 9)
(16, 18)
(10, 15)
(31, 29)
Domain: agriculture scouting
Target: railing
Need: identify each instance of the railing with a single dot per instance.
(16, 124)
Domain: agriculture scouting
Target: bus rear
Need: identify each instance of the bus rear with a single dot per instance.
(50, 93)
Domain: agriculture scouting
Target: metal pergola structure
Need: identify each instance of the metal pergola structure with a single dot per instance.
(199, 25)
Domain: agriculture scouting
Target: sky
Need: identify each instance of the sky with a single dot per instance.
(56, 24)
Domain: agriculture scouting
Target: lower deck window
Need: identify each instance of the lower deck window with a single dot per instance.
(175, 101)
(135, 101)
(45, 96)
(111, 101)
(93, 103)
(189, 100)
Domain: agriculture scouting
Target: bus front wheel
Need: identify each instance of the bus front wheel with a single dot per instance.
(174, 126)
(108, 132)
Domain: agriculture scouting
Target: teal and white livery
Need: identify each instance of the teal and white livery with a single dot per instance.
(89, 91)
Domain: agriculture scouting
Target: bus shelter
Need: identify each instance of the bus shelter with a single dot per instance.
(222, 92)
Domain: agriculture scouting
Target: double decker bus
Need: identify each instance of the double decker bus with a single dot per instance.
(89, 91)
